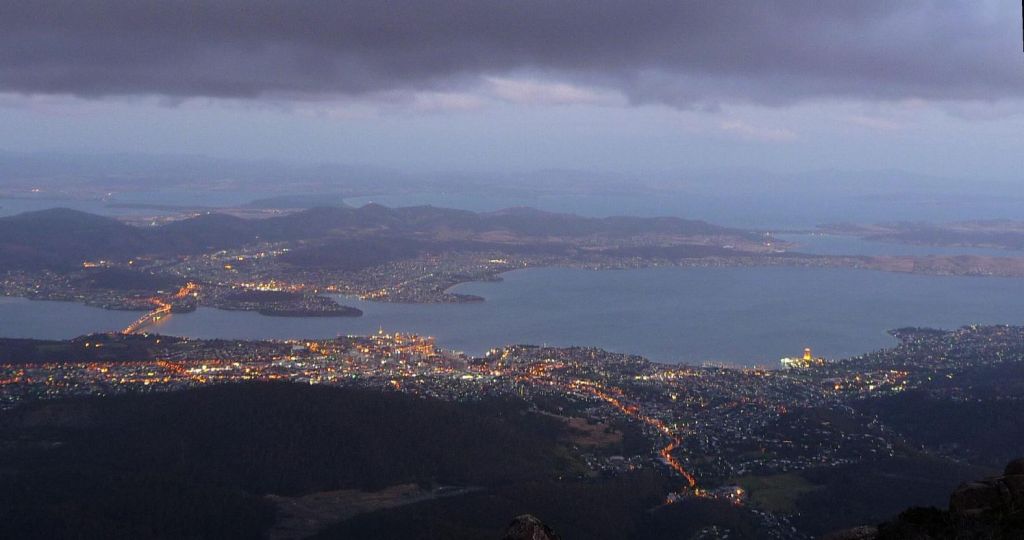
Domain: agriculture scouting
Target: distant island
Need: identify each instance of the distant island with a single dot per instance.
(995, 234)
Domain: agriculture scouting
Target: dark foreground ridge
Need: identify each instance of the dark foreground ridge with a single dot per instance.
(229, 461)
(988, 509)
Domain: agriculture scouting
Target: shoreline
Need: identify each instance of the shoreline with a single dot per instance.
(877, 263)
(703, 364)
(906, 265)
(413, 319)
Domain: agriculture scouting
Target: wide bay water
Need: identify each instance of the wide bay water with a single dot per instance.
(742, 316)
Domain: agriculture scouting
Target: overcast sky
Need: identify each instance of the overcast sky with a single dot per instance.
(630, 86)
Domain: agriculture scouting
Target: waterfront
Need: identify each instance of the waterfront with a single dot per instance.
(741, 316)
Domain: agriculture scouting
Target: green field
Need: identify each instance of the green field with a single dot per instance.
(777, 492)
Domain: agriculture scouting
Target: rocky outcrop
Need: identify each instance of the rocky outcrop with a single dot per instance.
(989, 509)
(527, 527)
(1000, 495)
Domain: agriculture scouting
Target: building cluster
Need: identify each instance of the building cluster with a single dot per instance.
(805, 361)
(707, 425)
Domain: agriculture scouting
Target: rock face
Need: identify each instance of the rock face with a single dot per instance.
(989, 509)
(1015, 468)
(527, 527)
(1000, 495)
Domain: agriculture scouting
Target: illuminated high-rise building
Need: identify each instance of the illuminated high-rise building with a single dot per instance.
(805, 361)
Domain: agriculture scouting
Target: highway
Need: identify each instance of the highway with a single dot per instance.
(634, 411)
(543, 374)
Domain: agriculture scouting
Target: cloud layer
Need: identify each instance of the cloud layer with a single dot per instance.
(686, 54)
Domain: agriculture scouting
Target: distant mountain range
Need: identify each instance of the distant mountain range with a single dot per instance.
(61, 239)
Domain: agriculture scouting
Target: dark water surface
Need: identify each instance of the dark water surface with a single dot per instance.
(740, 316)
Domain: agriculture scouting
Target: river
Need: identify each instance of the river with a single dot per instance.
(738, 316)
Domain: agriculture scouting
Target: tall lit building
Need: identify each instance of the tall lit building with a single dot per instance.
(807, 360)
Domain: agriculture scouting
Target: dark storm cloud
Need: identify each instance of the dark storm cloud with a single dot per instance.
(682, 53)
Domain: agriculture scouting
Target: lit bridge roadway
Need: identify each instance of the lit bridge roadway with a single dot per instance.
(162, 308)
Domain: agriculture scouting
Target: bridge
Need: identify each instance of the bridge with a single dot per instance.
(162, 307)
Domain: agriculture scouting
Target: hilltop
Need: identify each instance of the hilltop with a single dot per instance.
(200, 463)
(62, 239)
